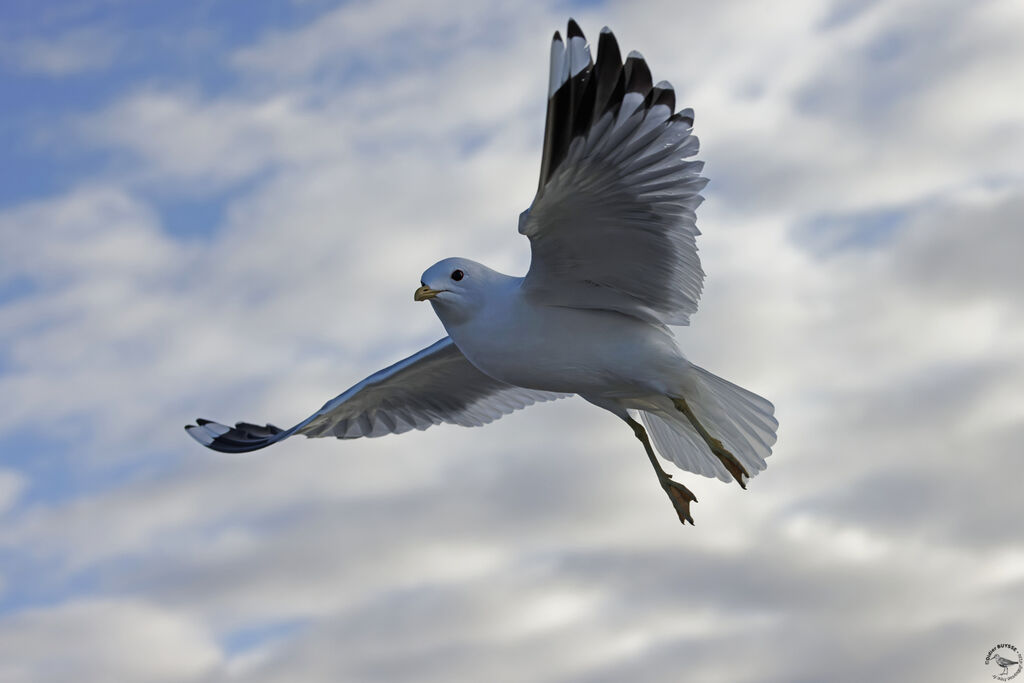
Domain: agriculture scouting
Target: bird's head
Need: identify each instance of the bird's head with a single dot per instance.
(456, 287)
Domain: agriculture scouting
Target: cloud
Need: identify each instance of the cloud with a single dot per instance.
(860, 236)
(71, 53)
(879, 110)
(11, 486)
(208, 143)
(136, 642)
(365, 40)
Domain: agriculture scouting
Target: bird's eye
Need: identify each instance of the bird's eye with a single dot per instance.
(458, 275)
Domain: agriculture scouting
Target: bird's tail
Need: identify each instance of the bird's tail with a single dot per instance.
(743, 421)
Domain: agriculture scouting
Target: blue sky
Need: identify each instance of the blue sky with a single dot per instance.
(221, 210)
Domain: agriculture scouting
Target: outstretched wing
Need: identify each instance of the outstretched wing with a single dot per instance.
(613, 224)
(433, 386)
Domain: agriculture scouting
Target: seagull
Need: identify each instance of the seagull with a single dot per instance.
(612, 231)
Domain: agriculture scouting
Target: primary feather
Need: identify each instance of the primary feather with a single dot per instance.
(613, 224)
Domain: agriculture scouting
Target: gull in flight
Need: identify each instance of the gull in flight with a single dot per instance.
(612, 233)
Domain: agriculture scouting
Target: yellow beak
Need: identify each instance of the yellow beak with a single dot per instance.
(424, 293)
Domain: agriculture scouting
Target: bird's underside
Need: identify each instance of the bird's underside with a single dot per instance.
(612, 231)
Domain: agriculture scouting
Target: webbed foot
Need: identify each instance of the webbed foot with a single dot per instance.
(680, 496)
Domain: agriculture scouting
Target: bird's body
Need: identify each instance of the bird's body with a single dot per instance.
(518, 340)
(612, 232)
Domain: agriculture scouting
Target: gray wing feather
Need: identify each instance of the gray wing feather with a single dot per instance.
(613, 225)
(436, 385)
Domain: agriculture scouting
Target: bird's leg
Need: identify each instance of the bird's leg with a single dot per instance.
(734, 466)
(680, 496)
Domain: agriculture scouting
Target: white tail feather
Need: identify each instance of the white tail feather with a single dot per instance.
(678, 442)
(743, 421)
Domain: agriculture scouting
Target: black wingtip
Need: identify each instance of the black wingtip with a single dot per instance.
(639, 74)
(593, 91)
(607, 42)
(661, 96)
(557, 38)
(241, 438)
(608, 73)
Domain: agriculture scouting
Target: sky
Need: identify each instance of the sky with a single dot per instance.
(221, 209)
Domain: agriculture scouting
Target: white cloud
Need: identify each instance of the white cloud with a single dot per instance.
(11, 486)
(539, 548)
(104, 640)
(210, 143)
(73, 52)
(366, 38)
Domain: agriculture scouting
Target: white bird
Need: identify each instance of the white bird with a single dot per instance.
(612, 232)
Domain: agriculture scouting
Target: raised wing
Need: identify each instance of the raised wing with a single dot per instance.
(613, 224)
(433, 386)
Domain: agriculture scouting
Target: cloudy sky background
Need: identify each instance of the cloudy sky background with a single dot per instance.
(221, 210)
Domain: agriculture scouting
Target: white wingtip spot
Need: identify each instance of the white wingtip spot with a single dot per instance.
(664, 85)
(579, 55)
(216, 429)
(199, 434)
(634, 55)
(558, 64)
